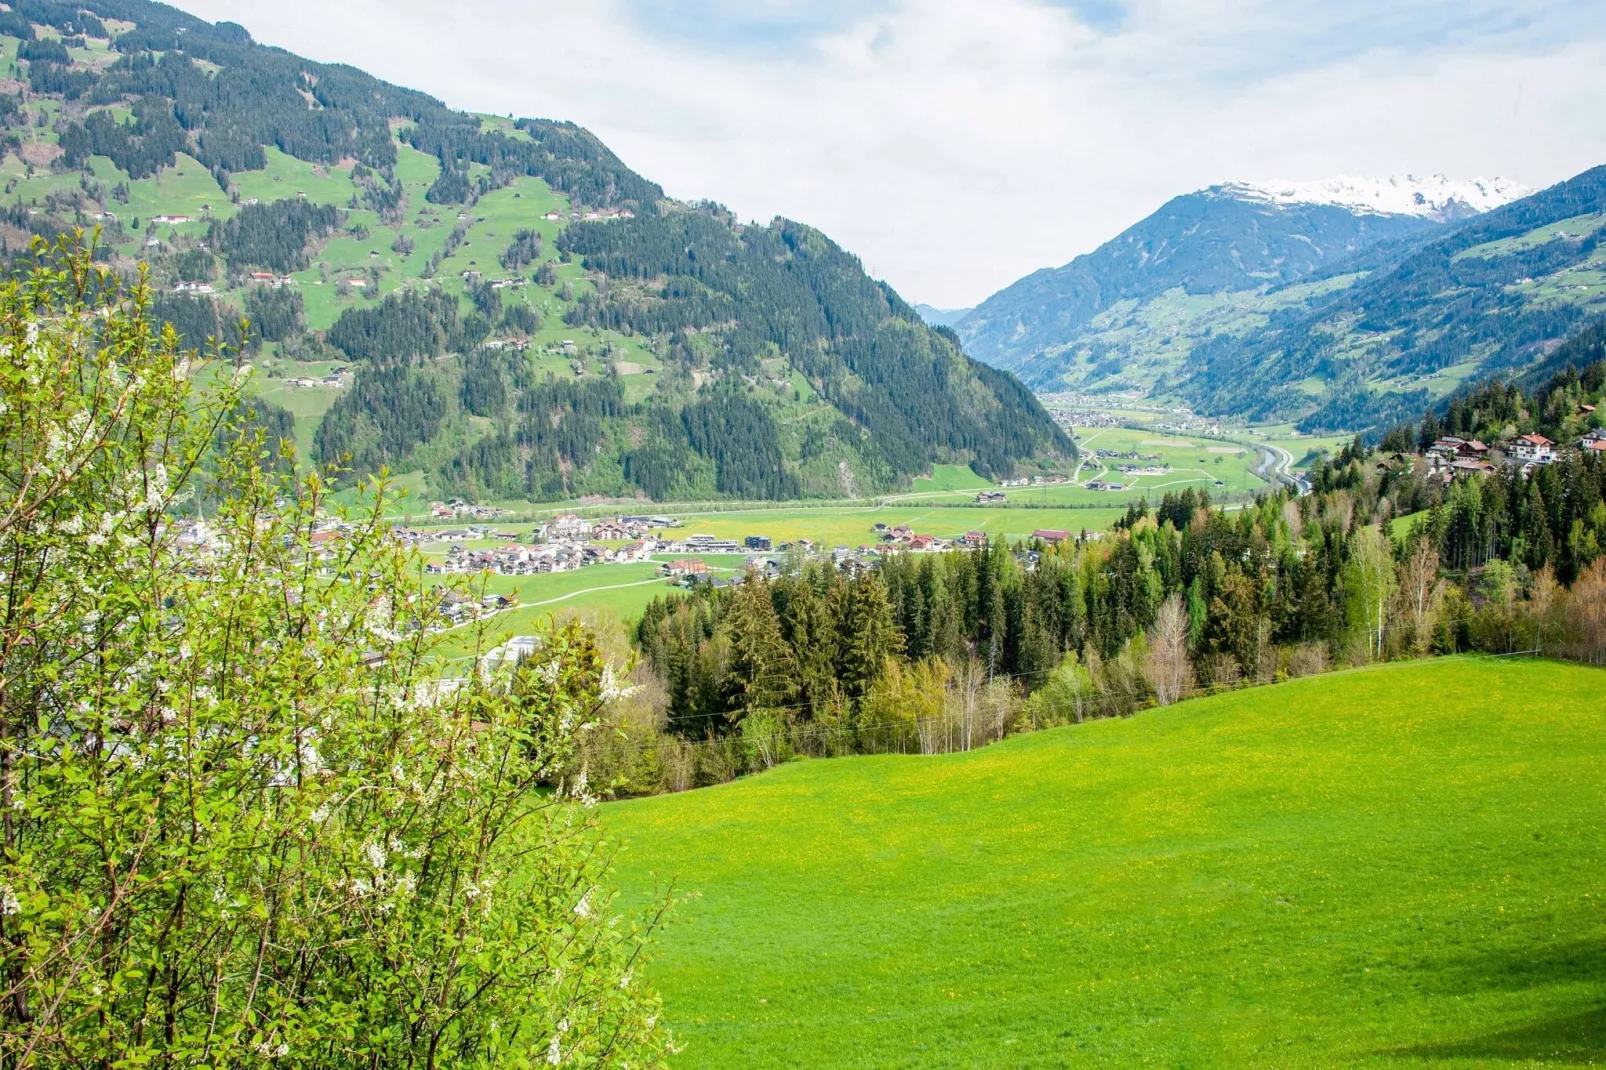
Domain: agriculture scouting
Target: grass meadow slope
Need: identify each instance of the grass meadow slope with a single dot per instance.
(1393, 867)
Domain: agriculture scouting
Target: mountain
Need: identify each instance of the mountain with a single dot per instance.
(1434, 197)
(1497, 293)
(502, 308)
(1222, 261)
(941, 317)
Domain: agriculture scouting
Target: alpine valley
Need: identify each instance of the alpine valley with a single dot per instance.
(1340, 305)
(494, 308)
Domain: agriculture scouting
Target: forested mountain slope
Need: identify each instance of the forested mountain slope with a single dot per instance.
(1496, 294)
(501, 306)
(1211, 242)
(1273, 308)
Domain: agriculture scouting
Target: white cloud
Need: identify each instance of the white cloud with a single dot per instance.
(958, 144)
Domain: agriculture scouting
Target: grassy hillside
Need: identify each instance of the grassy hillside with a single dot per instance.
(519, 314)
(1394, 867)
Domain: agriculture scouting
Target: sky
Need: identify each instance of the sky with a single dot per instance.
(957, 145)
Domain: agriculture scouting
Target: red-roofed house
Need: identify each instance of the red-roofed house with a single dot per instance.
(1535, 448)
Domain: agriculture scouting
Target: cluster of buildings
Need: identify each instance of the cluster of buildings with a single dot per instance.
(1451, 457)
(1034, 481)
(457, 508)
(334, 379)
(602, 215)
(536, 559)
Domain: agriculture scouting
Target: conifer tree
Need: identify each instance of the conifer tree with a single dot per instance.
(869, 634)
(763, 674)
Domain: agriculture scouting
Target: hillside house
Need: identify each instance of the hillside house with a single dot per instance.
(973, 539)
(1535, 448)
(686, 567)
(991, 497)
(1052, 536)
(1448, 449)
(1462, 468)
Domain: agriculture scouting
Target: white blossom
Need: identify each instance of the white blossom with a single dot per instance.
(9, 903)
(611, 688)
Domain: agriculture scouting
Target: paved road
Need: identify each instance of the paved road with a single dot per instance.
(1282, 463)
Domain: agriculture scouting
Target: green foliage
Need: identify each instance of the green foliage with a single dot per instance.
(277, 313)
(141, 147)
(245, 821)
(45, 50)
(195, 319)
(197, 265)
(524, 250)
(272, 236)
(403, 327)
(521, 317)
(484, 391)
(388, 411)
(737, 434)
(451, 188)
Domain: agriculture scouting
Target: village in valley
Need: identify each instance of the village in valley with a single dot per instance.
(569, 542)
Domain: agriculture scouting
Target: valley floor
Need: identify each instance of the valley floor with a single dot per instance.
(1395, 867)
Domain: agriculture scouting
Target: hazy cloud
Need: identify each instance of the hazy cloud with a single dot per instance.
(958, 144)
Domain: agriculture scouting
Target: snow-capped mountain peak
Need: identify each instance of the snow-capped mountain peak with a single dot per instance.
(1430, 196)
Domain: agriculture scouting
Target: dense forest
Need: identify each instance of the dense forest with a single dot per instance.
(272, 236)
(786, 289)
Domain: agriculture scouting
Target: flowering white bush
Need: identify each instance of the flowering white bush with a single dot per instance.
(245, 820)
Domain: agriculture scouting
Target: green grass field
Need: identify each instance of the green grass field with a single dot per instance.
(1399, 867)
(622, 590)
(852, 525)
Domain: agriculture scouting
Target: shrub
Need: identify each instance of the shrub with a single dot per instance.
(246, 820)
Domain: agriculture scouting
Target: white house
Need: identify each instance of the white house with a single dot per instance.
(1535, 448)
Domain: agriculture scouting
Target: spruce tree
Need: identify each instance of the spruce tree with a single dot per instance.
(763, 673)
